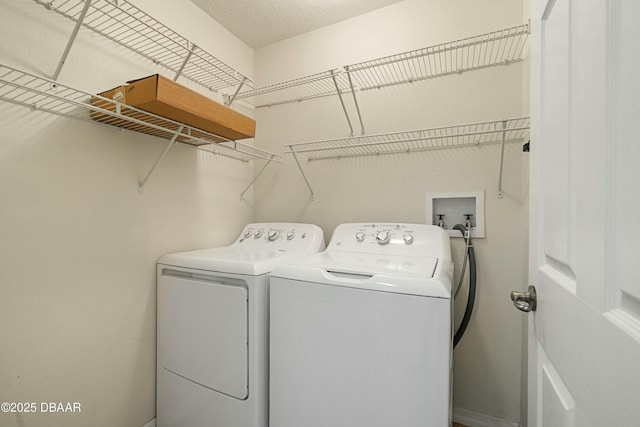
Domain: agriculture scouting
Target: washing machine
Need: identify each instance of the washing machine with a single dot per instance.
(361, 334)
(212, 348)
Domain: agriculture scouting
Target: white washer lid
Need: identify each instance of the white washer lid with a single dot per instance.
(386, 273)
(230, 260)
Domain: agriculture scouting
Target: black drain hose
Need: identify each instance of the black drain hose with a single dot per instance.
(472, 286)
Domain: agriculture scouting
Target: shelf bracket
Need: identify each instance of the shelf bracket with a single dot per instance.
(255, 178)
(355, 99)
(304, 176)
(232, 98)
(164, 153)
(186, 61)
(504, 138)
(72, 39)
(344, 108)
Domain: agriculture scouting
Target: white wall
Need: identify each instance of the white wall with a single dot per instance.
(487, 371)
(78, 245)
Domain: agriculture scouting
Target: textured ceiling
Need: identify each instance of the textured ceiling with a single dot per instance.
(262, 22)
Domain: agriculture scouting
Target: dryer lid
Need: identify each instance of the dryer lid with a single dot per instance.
(230, 260)
(258, 249)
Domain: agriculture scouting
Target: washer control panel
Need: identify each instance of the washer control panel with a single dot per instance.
(387, 238)
(279, 236)
(382, 234)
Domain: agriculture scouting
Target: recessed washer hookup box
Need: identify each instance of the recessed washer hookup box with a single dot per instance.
(163, 97)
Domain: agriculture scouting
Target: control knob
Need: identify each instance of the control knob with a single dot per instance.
(383, 237)
(290, 235)
(273, 234)
(408, 239)
(360, 236)
(257, 234)
(247, 234)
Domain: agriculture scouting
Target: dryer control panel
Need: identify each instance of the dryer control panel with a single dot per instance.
(391, 239)
(283, 236)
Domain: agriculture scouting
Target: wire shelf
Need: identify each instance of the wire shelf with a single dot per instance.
(314, 86)
(417, 140)
(37, 93)
(125, 24)
(487, 50)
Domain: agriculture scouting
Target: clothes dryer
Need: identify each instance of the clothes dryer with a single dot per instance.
(361, 334)
(212, 327)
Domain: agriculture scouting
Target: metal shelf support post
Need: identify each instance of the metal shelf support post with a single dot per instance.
(72, 39)
(255, 178)
(186, 61)
(355, 99)
(164, 153)
(304, 176)
(504, 137)
(344, 108)
(232, 98)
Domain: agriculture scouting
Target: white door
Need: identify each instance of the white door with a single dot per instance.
(584, 337)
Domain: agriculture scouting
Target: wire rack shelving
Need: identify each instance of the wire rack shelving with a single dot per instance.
(128, 26)
(303, 88)
(473, 53)
(38, 93)
(465, 135)
(492, 49)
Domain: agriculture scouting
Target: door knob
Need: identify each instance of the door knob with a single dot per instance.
(525, 301)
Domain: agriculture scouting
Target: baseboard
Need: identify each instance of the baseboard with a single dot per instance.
(475, 419)
(462, 416)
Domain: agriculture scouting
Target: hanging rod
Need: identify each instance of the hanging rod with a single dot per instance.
(473, 53)
(128, 26)
(37, 93)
